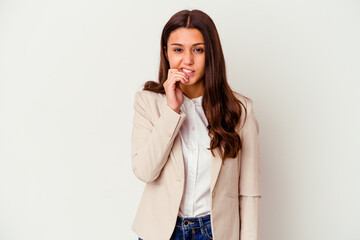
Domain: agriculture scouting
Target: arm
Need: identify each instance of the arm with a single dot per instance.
(249, 181)
(151, 141)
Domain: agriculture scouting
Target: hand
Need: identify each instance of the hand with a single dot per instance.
(174, 94)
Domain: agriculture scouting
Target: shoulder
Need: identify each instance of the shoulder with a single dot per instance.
(148, 94)
(246, 101)
(248, 122)
(148, 97)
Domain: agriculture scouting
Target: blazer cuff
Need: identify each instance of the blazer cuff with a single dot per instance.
(172, 121)
(249, 218)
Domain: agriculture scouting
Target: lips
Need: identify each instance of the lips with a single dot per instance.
(187, 70)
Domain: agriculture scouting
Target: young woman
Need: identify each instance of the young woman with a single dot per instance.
(195, 142)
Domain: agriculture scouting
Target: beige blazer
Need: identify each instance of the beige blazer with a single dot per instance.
(157, 160)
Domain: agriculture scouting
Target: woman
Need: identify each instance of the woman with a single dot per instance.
(195, 142)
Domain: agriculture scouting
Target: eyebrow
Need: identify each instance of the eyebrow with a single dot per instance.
(178, 44)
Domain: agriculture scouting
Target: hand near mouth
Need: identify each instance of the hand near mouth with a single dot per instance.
(174, 94)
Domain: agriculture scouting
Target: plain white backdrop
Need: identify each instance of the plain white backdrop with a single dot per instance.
(69, 71)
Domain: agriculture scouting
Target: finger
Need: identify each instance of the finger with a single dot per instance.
(171, 71)
(180, 74)
(179, 77)
(175, 73)
(183, 75)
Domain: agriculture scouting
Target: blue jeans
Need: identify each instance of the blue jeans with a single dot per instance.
(192, 229)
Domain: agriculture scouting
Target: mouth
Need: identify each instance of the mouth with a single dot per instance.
(186, 70)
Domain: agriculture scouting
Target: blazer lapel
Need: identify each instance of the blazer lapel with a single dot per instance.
(216, 164)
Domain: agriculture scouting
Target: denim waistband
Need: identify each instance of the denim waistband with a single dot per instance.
(196, 222)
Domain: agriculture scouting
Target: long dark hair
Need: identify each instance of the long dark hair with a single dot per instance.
(221, 107)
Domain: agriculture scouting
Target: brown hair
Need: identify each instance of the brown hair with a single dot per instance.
(221, 107)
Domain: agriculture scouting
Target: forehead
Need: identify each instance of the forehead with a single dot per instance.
(186, 36)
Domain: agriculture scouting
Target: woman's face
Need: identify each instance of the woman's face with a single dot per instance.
(186, 52)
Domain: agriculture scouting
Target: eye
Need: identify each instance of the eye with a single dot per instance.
(199, 50)
(176, 49)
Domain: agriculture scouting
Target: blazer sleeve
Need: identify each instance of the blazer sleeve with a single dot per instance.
(249, 180)
(152, 140)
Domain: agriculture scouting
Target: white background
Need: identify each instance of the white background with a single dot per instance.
(69, 71)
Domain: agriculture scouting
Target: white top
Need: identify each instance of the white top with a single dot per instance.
(194, 141)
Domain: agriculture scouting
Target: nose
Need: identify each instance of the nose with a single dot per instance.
(188, 58)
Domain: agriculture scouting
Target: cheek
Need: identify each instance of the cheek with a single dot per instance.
(174, 62)
(202, 63)
(201, 59)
